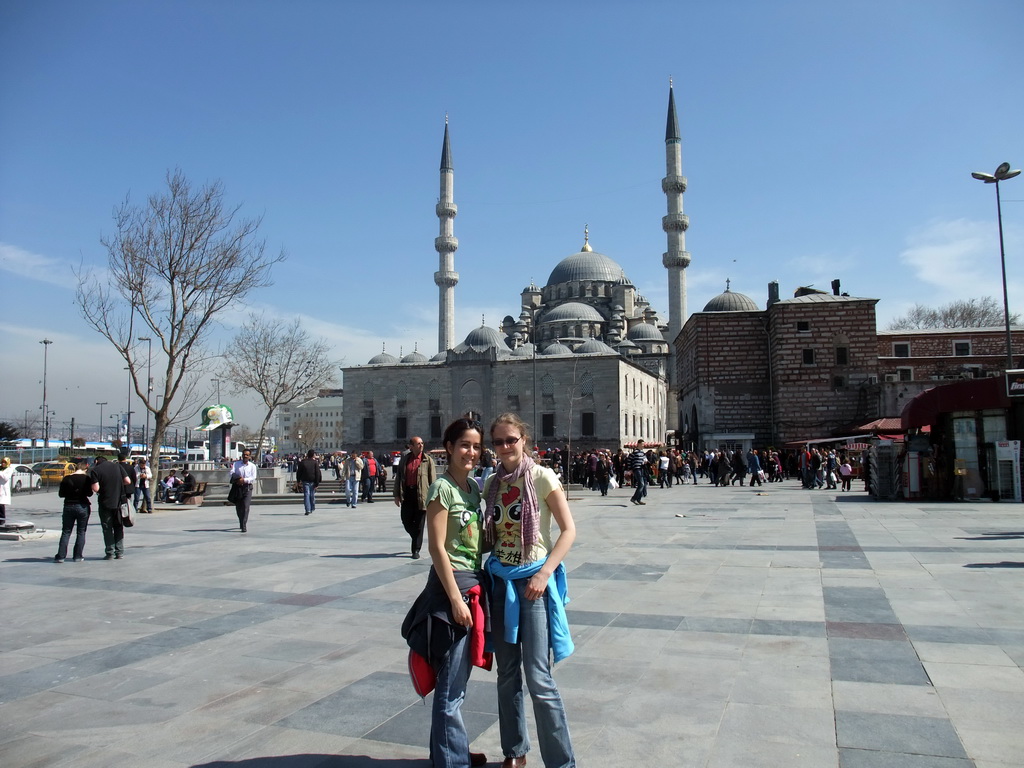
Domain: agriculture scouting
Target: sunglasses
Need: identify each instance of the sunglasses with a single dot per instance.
(508, 442)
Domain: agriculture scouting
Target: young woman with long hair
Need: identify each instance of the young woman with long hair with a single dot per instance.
(528, 594)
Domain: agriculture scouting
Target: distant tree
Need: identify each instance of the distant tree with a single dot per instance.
(963, 313)
(173, 266)
(78, 442)
(280, 363)
(8, 434)
(307, 433)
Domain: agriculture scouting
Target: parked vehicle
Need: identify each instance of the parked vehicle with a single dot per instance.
(52, 472)
(24, 479)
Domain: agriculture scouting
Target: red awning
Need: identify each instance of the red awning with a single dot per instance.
(972, 395)
(882, 425)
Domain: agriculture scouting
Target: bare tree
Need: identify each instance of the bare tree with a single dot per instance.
(963, 313)
(306, 432)
(173, 265)
(280, 363)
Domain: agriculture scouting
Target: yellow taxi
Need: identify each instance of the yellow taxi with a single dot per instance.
(52, 472)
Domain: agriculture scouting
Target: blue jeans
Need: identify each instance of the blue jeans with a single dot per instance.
(309, 496)
(449, 742)
(641, 485)
(143, 493)
(352, 490)
(74, 515)
(532, 655)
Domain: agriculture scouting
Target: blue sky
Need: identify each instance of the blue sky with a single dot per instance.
(820, 140)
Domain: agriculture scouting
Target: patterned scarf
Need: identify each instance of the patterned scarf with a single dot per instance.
(529, 522)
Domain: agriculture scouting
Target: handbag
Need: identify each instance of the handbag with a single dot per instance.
(127, 514)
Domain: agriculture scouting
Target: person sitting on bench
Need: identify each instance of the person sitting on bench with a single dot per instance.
(170, 486)
(188, 486)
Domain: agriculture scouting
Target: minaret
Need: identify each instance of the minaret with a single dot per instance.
(675, 259)
(446, 244)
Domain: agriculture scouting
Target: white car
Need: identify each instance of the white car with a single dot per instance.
(25, 479)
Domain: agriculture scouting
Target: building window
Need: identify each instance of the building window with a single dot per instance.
(808, 356)
(803, 326)
(901, 349)
(401, 427)
(625, 425)
(586, 384)
(587, 424)
(547, 385)
(435, 427)
(905, 374)
(512, 385)
(962, 348)
(547, 425)
(368, 428)
(842, 355)
(838, 382)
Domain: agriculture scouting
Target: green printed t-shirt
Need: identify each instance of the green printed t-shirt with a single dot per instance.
(462, 541)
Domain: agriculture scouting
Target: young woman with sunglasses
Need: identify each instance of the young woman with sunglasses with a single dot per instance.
(528, 594)
(450, 615)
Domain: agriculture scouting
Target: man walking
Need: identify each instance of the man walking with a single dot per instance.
(308, 473)
(113, 482)
(415, 473)
(638, 463)
(243, 476)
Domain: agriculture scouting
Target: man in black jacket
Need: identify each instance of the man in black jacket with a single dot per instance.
(114, 482)
(308, 473)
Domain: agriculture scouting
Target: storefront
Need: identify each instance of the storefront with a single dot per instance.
(972, 448)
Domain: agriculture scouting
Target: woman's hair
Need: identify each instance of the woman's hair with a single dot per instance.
(513, 420)
(457, 429)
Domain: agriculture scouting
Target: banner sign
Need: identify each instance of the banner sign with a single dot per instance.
(1015, 383)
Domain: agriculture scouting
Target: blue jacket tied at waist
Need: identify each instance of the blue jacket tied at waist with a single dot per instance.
(559, 637)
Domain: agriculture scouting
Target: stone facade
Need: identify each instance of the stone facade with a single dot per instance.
(315, 424)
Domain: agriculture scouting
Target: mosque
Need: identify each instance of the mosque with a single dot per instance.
(584, 359)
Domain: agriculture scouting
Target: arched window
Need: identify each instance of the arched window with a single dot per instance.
(512, 385)
(586, 384)
(547, 385)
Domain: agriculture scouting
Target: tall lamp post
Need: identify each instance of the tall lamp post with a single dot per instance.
(101, 420)
(1002, 173)
(149, 381)
(46, 421)
(216, 383)
(128, 411)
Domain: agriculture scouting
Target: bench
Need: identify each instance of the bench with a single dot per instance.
(194, 497)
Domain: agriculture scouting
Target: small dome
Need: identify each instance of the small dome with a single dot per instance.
(383, 359)
(585, 265)
(644, 332)
(526, 350)
(731, 302)
(415, 357)
(557, 349)
(440, 357)
(627, 347)
(572, 311)
(595, 347)
(483, 338)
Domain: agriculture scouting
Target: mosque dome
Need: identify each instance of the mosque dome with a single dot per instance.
(595, 347)
(415, 357)
(440, 357)
(483, 338)
(383, 359)
(525, 350)
(731, 302)
(572, 311)
(558, 348)
(585, 265)
(644, 332)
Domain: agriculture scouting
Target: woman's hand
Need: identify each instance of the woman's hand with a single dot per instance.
(536, 586)
(461, 614)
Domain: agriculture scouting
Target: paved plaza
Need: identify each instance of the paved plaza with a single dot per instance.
(714, 627)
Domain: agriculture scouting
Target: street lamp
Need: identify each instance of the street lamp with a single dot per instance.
(149, 379)
(216, 382)
(1002, 173)
(128, 412)
(101, 420)
(46, 423)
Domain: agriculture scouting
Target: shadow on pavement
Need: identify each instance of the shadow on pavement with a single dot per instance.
(314, 761)
(998, 536)
(370, 555)
(1004, 564)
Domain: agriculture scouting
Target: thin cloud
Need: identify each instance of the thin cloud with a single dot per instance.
(35, 266)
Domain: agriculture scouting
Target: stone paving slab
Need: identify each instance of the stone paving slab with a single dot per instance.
(714, 627)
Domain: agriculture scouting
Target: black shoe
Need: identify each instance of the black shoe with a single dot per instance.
(108, 557)
(244, 531)
(78, 559)
(415, 555)
(118, 556)
(58, 559)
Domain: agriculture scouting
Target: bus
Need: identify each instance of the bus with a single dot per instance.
(199, 450)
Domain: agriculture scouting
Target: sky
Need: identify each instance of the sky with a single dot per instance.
(820, 141)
